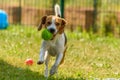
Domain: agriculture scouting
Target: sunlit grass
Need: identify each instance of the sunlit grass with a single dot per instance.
(87, 57)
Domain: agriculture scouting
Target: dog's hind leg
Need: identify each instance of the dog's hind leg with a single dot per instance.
(56, 64)
(63, 56)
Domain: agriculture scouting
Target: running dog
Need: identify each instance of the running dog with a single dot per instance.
(57, 45)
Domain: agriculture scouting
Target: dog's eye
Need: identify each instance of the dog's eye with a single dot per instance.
(57, 24)
(48, 23)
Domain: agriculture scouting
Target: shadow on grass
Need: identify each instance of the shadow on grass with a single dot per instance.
(10, 72)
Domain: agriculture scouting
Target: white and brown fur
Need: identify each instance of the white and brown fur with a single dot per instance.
(57, 45)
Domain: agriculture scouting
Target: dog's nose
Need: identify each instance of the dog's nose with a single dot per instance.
(52, 30)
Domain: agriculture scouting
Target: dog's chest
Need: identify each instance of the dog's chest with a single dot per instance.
(53, 48)
(52, 51)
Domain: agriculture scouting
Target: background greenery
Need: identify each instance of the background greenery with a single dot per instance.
(88, 56)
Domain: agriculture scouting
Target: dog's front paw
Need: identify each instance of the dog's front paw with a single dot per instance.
(40, 62)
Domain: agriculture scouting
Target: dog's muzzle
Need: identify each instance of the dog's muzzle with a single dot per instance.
(52, 30)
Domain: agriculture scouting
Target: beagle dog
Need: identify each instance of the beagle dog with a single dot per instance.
(57, 45)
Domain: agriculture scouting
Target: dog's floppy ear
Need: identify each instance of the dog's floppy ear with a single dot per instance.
(43, 20)
(63, 23)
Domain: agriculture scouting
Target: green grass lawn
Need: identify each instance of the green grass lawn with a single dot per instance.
(87, 56)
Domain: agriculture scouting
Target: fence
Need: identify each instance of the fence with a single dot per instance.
(82, 14)
(26, 12)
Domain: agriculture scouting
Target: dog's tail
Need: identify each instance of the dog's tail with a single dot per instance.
(57, 10)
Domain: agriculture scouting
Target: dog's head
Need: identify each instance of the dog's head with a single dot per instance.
(54, 24)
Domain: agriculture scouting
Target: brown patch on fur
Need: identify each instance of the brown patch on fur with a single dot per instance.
(60, 24)
(48, 21)
(43, 20)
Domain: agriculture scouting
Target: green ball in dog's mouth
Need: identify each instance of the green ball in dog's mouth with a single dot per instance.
(46, 35)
